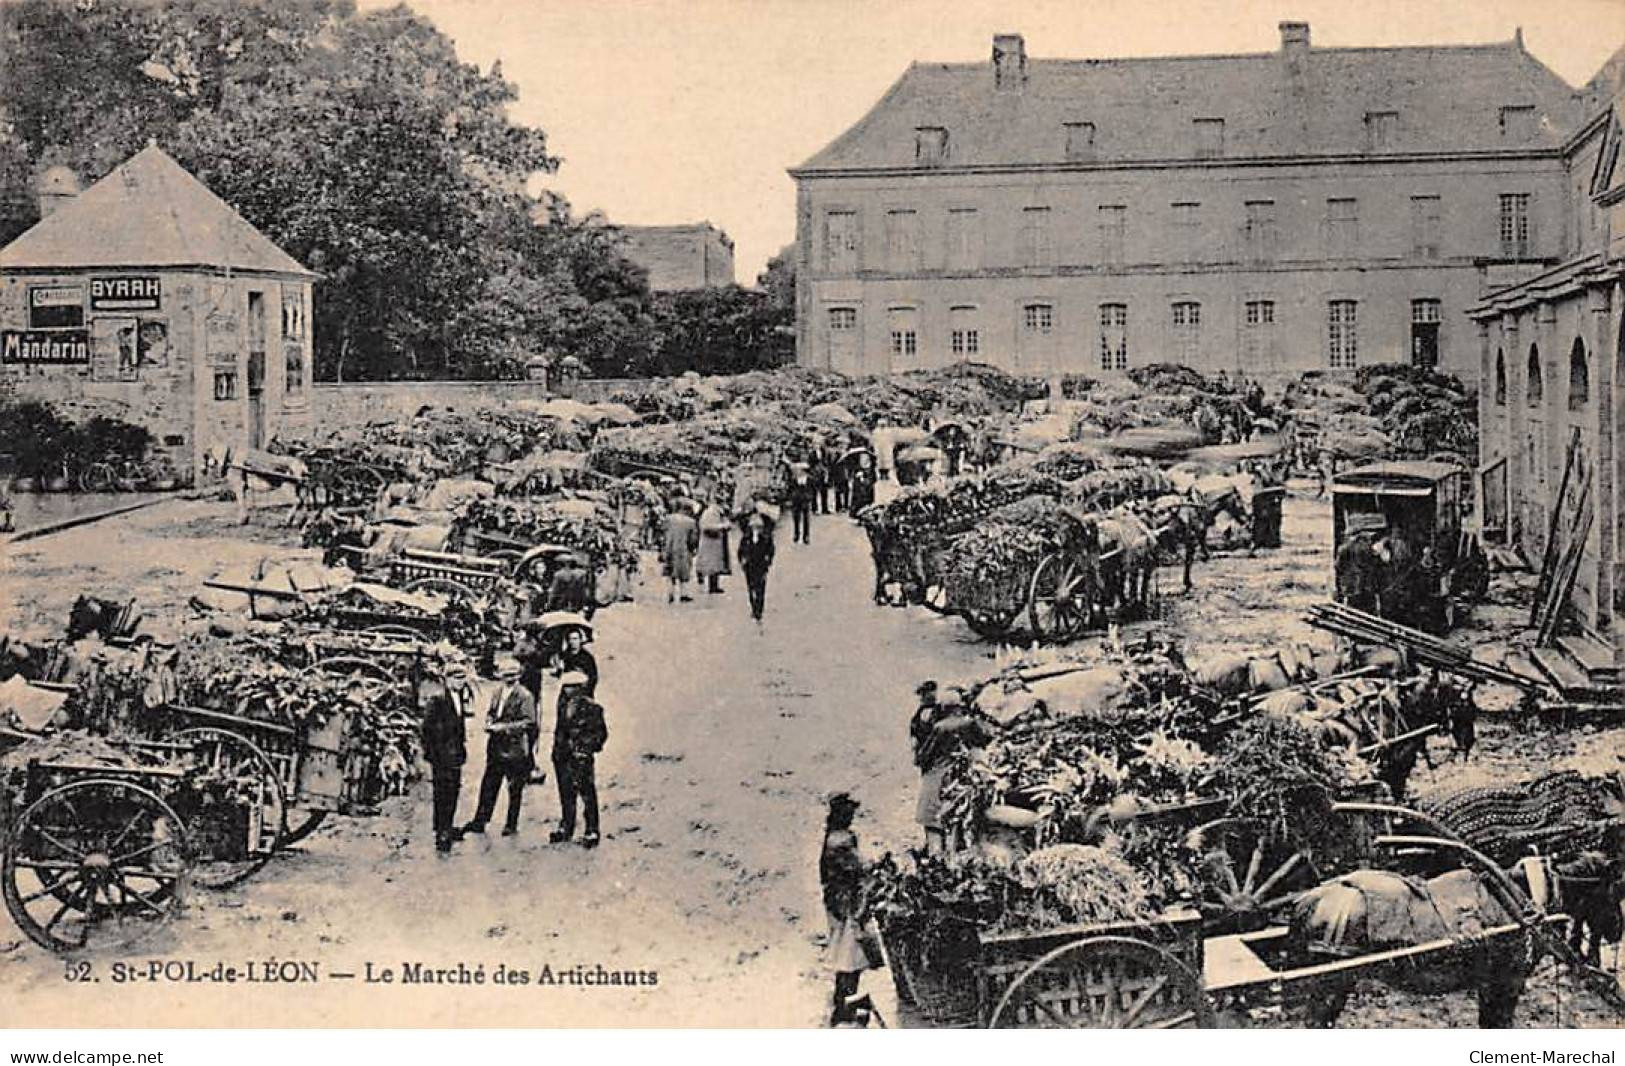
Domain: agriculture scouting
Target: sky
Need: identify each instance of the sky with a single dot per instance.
(690, 110)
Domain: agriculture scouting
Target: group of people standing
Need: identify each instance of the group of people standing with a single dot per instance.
(513, 728)
(696, 542)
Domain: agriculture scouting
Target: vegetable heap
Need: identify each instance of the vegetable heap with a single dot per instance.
(542, 522)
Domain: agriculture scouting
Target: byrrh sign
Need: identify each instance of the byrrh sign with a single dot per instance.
(42, 346)
(124, 294)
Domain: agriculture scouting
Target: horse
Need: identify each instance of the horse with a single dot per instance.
(105, 618)
(1127, 559)
(1183, 520)
(1588, 887)
(1369, 911)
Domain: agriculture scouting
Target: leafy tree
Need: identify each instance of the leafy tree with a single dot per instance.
(778, 280)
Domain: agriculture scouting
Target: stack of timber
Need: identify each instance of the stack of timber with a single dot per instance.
(1423, 648)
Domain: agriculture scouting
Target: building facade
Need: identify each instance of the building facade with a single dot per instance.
(697, 256)
(147, 298)
(1268, 214)
(1551, 417)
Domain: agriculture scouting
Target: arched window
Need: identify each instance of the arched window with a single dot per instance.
(1500, 378)
(1535, 390)
(1579, 376)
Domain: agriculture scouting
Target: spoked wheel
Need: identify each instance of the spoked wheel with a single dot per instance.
(94, 865)
(1058, 603)
(1105, 982)
(1245, 878)
(240, 815)
(302, 824)
(356, 485)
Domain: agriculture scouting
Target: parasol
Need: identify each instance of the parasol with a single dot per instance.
(565, 620)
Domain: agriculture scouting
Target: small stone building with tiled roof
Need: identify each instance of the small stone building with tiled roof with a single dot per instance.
(1268, 213)
(148, 298)
(1552, 407)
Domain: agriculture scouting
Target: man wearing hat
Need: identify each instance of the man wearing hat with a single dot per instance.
(755, 557)
(579, 734)
(445, 749)
(801, 503)
(511, 727)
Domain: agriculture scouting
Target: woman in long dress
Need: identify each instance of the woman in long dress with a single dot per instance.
(712, 561)
(677, 553)
(854, 943)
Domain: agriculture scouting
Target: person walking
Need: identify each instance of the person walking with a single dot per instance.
(818, 467)
(755, 558)
(579, 734)
(511, 726)
(801, 503)
(677, 553)
(854, 943)
(711, 563)
(445, 748)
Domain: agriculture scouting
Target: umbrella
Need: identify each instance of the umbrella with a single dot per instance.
(618, 413)
(565, 620)
(832, 412)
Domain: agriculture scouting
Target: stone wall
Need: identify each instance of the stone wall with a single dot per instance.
(388, 401)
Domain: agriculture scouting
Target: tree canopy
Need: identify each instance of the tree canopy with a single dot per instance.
(360, 144)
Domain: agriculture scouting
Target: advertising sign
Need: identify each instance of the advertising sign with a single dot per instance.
(124, 294)
(40, 347)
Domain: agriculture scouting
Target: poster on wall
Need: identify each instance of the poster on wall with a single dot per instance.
(42, 347)
(124, 294)
(152, 342)
(113, 347)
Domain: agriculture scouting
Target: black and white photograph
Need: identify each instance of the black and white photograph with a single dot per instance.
(812, 515)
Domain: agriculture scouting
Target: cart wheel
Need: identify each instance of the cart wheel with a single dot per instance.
(1057, 601)
(1243, 878)
(95, 864)
(300, 829)
(1105, 982)
(356, 485)
(233, 840)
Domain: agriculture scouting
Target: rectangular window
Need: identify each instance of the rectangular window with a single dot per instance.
(930, 146)
(905, 335)
(1517, 123)
(842, 319)
(1515, 243)
(1342, 227)
(1425, 226)
(1080, 141)
(964, 238)
(1038, 318)
(1381, 130)
(964, 336)
(841, 242)
(1426, 315)
(1187, 323)
(1342, 342)
(903, 240)
(1113, 219)
(1187, 231)
(56, 307)
(293, 370)
(1113, 336)
(225, 384)
(1258, 231)
(1035, 247)
(1209, 138)
(293, 315)
(1258, 332)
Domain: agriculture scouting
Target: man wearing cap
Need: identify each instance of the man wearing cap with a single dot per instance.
(579, 734)
(445, 748)
(511, 726)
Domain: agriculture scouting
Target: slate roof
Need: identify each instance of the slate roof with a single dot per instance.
(1447, 97)
(147, 212)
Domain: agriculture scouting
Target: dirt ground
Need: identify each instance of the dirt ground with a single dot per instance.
(724, 739)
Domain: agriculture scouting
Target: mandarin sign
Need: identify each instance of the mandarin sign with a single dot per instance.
(39, 347)
(124, 294)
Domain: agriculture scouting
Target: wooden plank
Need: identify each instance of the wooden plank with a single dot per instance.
(1549, 556)
(1569, 573)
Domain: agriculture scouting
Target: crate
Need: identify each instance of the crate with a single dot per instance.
(937, 977)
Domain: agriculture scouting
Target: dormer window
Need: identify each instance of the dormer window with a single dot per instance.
(1209, 138)
(1381, 129)
(1517, 123)
(1080, 141)
(930, 146)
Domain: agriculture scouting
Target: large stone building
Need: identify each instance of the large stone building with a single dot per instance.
(697, 256)
(1267, 213)
(1552, 404)
(147, 298)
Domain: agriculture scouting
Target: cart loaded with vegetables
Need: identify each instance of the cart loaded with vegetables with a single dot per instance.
(152, 769)
(1133, 849)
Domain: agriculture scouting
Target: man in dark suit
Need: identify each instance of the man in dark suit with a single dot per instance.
(445, 749)
(579, 735)
(511, 727)
(755, 557)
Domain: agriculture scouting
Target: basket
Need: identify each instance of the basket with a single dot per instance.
(937, 980)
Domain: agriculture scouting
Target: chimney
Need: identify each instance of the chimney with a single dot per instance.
(55, 187)
(1294, 38)
(1009, 61)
